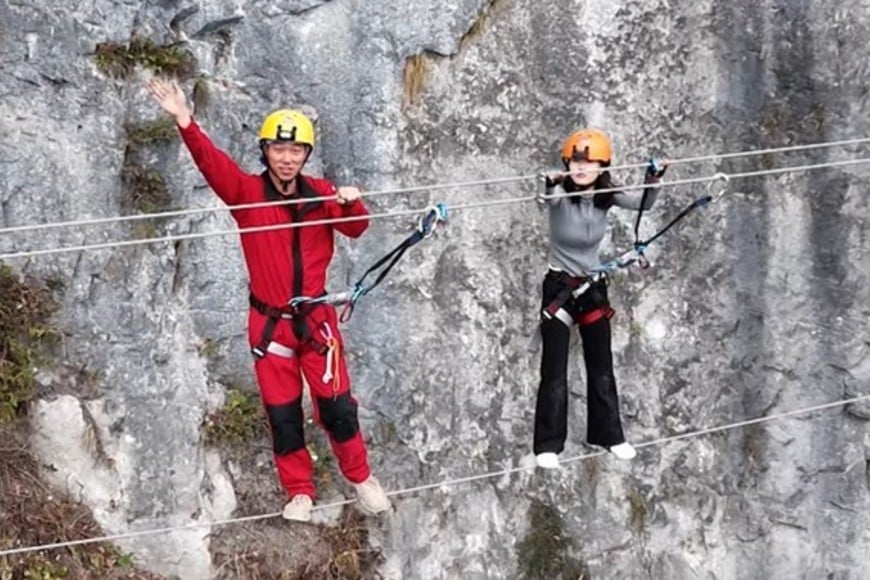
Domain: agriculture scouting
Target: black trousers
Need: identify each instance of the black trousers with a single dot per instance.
(551, 410)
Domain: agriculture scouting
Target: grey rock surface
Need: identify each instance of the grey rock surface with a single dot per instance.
(755, 306)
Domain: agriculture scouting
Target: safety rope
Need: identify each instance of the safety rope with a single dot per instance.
(413, 189)
(434, 216)
(436, 485)
(655, 169)
(720, 176)
(403, 213)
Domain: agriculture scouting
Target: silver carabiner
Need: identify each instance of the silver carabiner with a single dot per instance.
(719, 177)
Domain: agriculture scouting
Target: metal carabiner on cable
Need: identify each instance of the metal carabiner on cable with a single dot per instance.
(724, 178)
(435, 214)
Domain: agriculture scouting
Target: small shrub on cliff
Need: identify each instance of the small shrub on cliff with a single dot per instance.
(25, 309)
(119, 60)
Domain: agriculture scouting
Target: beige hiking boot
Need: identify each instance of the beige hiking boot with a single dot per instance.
(298, 509)
(371, 496)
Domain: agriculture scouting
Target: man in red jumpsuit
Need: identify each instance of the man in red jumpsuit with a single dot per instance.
(290, 345)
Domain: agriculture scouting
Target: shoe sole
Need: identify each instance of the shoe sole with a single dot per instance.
(301, 521)
(365, 510)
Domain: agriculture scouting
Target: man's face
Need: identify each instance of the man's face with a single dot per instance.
(286, 159)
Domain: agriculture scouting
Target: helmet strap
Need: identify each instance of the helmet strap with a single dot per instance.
(285, 184)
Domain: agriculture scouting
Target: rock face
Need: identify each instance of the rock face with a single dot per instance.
(756, 306)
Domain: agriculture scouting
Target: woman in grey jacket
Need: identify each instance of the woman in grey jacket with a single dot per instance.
(577, 227)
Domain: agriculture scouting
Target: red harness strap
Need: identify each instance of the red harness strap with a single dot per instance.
(593, 316)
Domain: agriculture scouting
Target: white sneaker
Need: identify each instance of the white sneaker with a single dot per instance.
(528, 461)
(371, 496)
(623, 451)
(298, 509)
(547, 460)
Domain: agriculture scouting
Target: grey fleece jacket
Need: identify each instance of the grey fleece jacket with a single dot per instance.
(577, 227)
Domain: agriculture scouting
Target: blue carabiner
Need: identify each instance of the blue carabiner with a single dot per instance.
(655, 168)
(358, 292)
(434, 215)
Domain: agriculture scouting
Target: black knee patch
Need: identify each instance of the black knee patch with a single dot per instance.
(286, 422)
(339, 417)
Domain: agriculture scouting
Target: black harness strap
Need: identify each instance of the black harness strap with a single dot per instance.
(654, 172)
(434, 215)
(297, 316)
(390, 260)
(273, 315)
(700, 202)
(270, 311)
(569, 284)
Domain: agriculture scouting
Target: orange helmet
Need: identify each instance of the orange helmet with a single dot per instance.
(587, 144)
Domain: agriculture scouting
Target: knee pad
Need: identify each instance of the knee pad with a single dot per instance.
(339, 416)
(287, 424)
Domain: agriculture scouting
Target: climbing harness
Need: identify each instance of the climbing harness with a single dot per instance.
(433, 216)
(574, 287)
(295, 316)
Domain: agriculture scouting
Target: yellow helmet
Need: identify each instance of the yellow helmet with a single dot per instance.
(288, 125)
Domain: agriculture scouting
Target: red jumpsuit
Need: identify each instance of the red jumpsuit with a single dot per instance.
(281, 264)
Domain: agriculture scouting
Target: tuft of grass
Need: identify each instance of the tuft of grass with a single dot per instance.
(144, 188)
(31, 513)
(818, 116)
(340, 552)
(201, 96)
(56, 283)
(753, 444)
(544, 552)
(26, 307)
(388, 432)
(772, 125)
(120, 60)
(417, 67)
(321, 456)
(637, 510)
(209, 348)
(350, 556)
(591, 471)
(160, 130)
(114, 59)
(145, 230)
(414, 76)
(237, 424)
